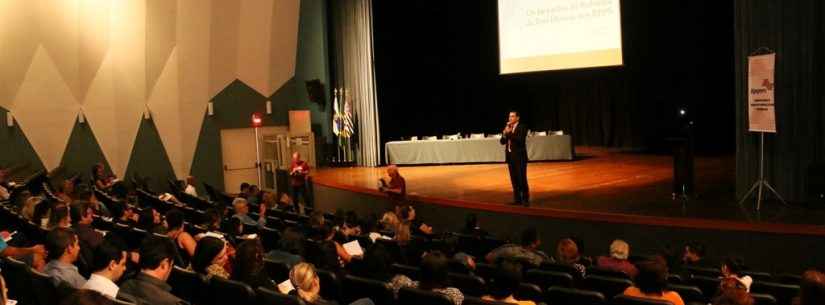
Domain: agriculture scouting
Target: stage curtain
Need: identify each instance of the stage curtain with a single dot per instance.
(794, 30)
(353, 70)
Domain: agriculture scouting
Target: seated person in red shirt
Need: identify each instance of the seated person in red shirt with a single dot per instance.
(617, 261)
(396, 187)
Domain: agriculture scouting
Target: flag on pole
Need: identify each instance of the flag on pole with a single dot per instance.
(348, 128)
(336, 115)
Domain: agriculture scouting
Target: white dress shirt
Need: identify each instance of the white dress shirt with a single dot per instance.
(191, 190)
(103, 285)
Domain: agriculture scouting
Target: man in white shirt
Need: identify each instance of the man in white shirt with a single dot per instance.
(190, 186)
(108, 265)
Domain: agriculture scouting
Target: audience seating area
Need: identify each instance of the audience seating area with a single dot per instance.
(552, 284)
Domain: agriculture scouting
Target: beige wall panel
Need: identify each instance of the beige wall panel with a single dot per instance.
(284, 42)
(161, 33)
(194, 30)
(254, 36)
(163, 104)
(94, 41)
(100, 110)
(223, 45)
(45, 109)
(19, 38)
(60, 36)
(128, 51)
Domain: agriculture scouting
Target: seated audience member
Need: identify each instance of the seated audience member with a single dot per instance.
(567, 253)
(63, 248)
(29, 205)
(376, 264)
(156, 263)
(84, 192)
(290, 247)
(103, 181)
(526, 252)
(210, 257)
(149, 220)
(242, 211)
(472, 226)
(4, 187)
(189, 188)
(396, 187)
(812, 288)
(269, 200)
(733, 297)
(694, 256)
(59, 217)
(407, 214)
(732, 267)
(433, 277)
(212, 220)
(249, 265)
(65, 190)
(253, 195)
(729, 284)
(389, 221)
(87, 297)
(617, 261)
(108, 265)
(244, 190)
(371, 228)
(307, 284)
(175, 230)
(83, 213)
(651, 282)
(285, 203)
(333, 254)
(505, 283)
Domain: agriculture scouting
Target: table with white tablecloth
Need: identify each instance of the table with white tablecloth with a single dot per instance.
(480, 150)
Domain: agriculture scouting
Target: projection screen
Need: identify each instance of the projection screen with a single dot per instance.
(540, 35)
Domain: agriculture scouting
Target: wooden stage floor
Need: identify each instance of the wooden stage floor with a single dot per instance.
(598, 181)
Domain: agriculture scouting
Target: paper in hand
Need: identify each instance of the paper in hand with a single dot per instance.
(353, 248)
(285, 287)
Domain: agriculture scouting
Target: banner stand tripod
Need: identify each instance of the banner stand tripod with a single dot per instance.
(762, 182)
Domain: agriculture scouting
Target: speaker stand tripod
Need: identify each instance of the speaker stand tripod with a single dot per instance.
(762, 182)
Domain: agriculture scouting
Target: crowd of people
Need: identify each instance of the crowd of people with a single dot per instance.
(102, 267)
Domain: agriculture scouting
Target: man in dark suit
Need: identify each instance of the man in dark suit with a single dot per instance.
(514, 139)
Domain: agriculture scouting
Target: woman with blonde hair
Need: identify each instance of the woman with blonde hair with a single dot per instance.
(306, 282)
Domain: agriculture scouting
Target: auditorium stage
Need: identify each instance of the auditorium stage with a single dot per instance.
(599, 185)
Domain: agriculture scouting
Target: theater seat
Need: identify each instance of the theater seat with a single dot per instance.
(708, 285)
(479, 301)
(570, 296)
(544, 278)
(783, 293)
(609, 286)
(532, 292)
(409, 271)
(269, 297)
(278, 271)
(187, 285)
(628, 300)
(607, 272)
(763, 299)
(330, 285)
(759, 276)
(358, 287)
(412, 296)
(703, 271)
(45, 291)
(18, 281)
(223, 292)
(689, 294)
(468, 284)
